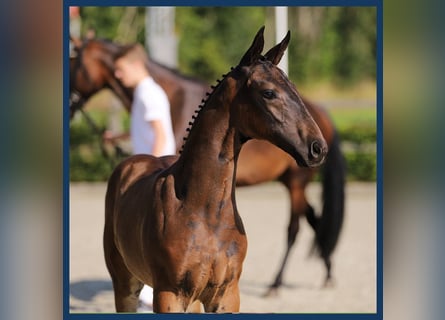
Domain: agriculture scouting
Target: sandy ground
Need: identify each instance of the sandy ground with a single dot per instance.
(264, 210)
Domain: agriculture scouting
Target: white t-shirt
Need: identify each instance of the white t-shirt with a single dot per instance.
(150, 102)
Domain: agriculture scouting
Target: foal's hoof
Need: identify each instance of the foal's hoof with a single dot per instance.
(271, 292)
(329, 283)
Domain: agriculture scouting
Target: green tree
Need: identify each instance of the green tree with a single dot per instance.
(328, 43)
(122, 24)
(212, 38)
(333, 43)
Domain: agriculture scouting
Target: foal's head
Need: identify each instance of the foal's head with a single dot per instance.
(270, 108)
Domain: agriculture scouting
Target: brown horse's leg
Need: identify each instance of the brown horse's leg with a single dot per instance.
(231, 299)
(165, 301)
(298, 207)
(195, 307)
(294, 226)
(126, 286)
(126, 293)
(229, 302)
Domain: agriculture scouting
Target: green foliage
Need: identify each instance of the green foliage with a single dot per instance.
(361, 165)
(106, 21)
(358, 134)
(359, 148)
(333, 43)
(346, 117)
(339, 46)
(210, 41)
(88, 167)
(87, 162)
(357, 130)
(355, 45)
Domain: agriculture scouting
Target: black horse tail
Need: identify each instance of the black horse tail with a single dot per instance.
(333, 195)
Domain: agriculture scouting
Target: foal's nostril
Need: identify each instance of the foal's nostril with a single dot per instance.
(316, 149)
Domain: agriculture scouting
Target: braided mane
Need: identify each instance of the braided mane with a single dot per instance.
(201, 106)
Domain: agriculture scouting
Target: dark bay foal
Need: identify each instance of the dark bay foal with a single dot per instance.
(172, 222)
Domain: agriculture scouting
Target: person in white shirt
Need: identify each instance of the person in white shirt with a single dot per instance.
(150, 123)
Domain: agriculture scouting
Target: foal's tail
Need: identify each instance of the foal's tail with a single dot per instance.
(333, 182)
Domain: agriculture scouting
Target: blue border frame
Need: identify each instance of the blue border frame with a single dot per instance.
(379, 55)
(197, 3)
(66, 161)
(66, 164)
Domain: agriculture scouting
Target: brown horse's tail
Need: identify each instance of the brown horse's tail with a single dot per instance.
(333, 182)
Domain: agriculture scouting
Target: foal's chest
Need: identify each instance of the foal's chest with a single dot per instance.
(213, 269)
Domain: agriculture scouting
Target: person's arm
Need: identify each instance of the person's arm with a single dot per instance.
(109, 137)
(160, 137)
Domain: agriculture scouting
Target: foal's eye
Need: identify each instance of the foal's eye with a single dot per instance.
(269, 94)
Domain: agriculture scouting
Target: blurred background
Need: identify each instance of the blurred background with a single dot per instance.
(32, 189)
(331, 59)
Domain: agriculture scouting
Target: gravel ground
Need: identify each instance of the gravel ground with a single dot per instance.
(264, 210)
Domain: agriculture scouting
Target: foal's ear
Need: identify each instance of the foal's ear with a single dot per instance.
(275, 54)
(254, 52)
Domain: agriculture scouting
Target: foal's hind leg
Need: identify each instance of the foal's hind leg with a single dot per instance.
(126, 286)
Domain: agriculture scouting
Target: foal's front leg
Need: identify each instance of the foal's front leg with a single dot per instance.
(126, 294)
(229, 302)
(167, 301)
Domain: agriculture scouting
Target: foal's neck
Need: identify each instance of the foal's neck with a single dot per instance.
(206, 168)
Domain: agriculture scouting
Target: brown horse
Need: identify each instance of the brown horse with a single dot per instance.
(92, 69)
(172, 222)
(259, 161)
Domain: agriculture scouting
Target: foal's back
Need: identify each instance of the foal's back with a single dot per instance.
(136, 168)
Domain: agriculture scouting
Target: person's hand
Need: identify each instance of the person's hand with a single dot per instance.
(108, 136)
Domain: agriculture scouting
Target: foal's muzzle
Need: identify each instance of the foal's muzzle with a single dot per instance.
(317, 152)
